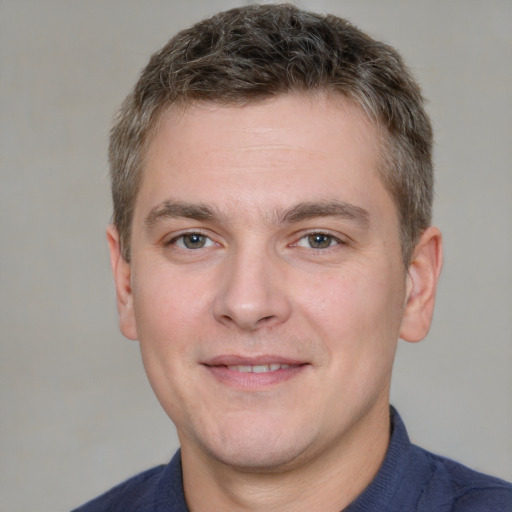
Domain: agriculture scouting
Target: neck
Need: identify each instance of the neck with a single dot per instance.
(329, 481)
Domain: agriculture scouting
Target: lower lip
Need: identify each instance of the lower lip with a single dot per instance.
(254, 381)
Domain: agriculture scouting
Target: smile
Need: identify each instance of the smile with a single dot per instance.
(258, 368)
(254, 373)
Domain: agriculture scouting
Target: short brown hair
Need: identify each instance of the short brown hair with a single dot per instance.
(256, 52)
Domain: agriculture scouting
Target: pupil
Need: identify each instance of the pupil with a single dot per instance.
(319, 241)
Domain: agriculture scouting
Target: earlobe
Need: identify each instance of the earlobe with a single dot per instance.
(422, 278)
(121, 271)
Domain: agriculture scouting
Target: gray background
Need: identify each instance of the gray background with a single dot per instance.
(77, 415)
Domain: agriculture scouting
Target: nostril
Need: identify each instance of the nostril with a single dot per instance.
(265, 321)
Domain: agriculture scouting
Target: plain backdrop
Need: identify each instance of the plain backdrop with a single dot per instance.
(77, 415)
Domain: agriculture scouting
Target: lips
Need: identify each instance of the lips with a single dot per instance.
(269, 362)
(253, 372)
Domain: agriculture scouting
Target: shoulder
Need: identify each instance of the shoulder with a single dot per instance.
(414, 479)
(156, 490)
(137, 493)
(466, 489)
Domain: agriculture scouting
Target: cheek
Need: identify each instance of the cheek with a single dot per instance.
(356, 307)
(167, 313)
(165, 299)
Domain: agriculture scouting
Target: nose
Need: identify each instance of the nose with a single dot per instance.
(252, 292)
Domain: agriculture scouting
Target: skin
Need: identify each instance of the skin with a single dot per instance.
(263, 234)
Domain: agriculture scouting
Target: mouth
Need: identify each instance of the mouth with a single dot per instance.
(259, 368)
(253, 373)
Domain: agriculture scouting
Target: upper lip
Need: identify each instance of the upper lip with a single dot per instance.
(238, 360)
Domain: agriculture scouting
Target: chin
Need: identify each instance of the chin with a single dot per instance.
(257, 449)
(259, 460)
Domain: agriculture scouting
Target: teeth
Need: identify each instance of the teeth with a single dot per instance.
(259, 368)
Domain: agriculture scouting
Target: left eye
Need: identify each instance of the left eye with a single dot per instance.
(192, 241)
(318, 241)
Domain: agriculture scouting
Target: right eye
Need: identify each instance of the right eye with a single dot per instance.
(192, 241)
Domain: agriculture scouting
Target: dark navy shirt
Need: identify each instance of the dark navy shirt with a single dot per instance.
(409, 480)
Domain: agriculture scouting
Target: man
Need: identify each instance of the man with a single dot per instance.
(272, 186)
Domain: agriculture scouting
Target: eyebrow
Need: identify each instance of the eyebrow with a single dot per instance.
(314, 209)
(297, 213)
(173, 210)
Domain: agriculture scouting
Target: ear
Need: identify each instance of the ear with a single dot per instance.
(122, 276)
(421, 284)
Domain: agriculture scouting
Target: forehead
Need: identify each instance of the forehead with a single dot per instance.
(321, 144)
(294, 113)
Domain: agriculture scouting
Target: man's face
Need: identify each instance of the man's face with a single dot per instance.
(266, 284)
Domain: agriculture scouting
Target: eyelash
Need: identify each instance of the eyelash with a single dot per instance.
(333, 240)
